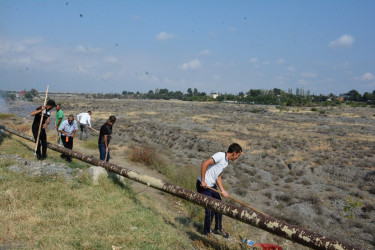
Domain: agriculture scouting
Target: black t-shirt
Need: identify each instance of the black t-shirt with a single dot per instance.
(46, 114)
(106, 129)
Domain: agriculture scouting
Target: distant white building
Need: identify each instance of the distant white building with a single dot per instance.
(213, 95)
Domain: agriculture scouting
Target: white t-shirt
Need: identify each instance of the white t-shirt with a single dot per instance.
(84, 118)
(214, 170)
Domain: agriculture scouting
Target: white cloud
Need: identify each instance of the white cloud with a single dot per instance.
(86, 50)
(194, 64)
(149, 78)
(266, 63)
(232, 29)
(342, 41)
(368, 76)
(216, 77)
(309, 75)
(302, 82)
(291, 68)
(253, 60)
(280, 61)
(111, 59)
(162, 36)
(32, 41)
(205, 52)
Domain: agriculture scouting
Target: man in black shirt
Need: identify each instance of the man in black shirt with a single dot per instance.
(40, 111)
(105, 137)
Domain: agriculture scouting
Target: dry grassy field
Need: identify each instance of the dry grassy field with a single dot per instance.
(313, 169)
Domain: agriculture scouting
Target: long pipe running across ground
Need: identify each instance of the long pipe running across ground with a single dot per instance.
(267, 223)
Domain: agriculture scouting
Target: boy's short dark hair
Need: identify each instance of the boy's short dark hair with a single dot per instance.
(112, 118)
(89, 112)
(234, 147)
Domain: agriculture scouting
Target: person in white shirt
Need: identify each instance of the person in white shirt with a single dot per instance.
(84, 121)
(211, 170)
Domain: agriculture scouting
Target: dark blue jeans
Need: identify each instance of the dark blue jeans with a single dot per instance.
(210, 215)
(102, 152)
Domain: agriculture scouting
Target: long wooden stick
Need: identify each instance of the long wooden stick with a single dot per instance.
(244, 204)
(94, 129)
(41, 121)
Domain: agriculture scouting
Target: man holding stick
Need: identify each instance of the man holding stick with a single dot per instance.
(42, 114)
(211, 170)
(105, 137)
(68, 129)
(84, 121)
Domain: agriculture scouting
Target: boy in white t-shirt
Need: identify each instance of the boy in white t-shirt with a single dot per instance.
(211, 170)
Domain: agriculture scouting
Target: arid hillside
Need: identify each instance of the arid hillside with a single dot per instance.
(314, 168)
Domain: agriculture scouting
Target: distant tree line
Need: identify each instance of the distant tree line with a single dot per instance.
(273, 96)
(258, 96)
(28, 95)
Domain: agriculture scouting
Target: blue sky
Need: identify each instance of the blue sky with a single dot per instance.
(221, 46)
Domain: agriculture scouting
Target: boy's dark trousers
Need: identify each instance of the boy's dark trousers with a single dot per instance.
(209, 215)
(42, 141)
(67, 144)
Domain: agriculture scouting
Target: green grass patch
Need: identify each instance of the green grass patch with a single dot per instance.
(5, 116)
(91, 143)
(53, 213)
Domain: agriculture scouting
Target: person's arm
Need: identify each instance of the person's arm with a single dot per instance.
(79, 117)
(105, 142)
(37, 111)
(61, 129)
(46, 123)
(58, 124)
(89, 121)
(220, 184)
(75, 128)
(63, 132)
(204, 167)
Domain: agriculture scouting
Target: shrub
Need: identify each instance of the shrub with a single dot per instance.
(350, 205)
(314, 109)
(146, 155)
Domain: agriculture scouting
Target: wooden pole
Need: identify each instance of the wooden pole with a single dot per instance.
(94, 130)
(244, 204)
(41, 121)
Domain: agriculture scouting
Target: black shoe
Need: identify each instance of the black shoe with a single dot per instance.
(69, 159)
(221, 232)
(62, 156)
(38, 157)
(43, 158)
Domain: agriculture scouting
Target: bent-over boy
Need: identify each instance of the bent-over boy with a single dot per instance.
(211, 170)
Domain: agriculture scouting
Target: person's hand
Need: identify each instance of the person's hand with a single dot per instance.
(73, 135)
(44, 126)
(43, 108)
(106, 149)
(203, 184)
(225, 194)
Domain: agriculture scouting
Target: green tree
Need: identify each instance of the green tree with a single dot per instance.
(34, 92)
(353, 95)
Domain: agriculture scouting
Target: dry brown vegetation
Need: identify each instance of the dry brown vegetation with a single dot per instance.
(300, 166)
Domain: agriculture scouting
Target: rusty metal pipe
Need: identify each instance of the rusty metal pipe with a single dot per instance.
(272, 225)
